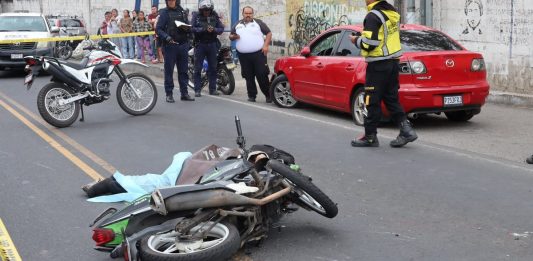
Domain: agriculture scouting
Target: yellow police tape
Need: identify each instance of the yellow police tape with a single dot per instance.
(8, 252)
(73, 38)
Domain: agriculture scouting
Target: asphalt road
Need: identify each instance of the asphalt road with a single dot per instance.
(459, 193)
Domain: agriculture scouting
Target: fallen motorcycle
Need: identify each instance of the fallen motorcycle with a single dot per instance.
(225, 67)
(234, 202)
(88, 82)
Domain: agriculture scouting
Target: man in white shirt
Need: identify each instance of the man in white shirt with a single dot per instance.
(252, 49)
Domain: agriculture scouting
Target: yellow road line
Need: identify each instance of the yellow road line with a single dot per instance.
(89, 154)
(77, 161)
(8, 251)
(74, 38)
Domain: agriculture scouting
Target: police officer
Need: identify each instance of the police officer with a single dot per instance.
(175, 47)
(380, 45)
(206, 26)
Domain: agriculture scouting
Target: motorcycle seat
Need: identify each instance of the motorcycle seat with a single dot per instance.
(76, 65)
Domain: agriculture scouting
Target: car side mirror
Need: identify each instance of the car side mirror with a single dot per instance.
(306, 51)
(54, 29)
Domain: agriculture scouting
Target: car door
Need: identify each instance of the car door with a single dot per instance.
(309, 74)
(345, 71)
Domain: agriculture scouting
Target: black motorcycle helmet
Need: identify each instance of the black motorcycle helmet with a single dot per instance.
(178, 2)
(205, 5)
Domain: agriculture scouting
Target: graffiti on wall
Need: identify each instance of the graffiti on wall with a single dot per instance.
(306, 19)
(473, 12)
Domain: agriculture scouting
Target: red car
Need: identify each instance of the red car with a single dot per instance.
(437, 74)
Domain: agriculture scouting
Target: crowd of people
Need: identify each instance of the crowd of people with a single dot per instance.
(134, 21)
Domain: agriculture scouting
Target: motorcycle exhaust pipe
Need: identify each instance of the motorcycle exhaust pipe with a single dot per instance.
(209, 199)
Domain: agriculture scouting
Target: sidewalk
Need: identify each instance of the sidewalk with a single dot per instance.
(496, 97)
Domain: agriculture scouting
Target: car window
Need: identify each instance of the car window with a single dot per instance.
(22, 23)
(71, 23)
(346, 47)
(325, 45)
(419, 41)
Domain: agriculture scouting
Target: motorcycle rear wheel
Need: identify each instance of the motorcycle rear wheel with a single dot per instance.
(129, 102)
(57, 115)
(225, 80)
(306, 193)
(221, 242)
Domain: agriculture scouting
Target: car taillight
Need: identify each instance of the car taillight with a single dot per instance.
(417, 67)
(478, 65)
(103, 235)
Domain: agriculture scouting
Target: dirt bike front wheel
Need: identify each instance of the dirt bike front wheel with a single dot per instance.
(139, 97)
(220, 243)
(225, 80)
(306, 193)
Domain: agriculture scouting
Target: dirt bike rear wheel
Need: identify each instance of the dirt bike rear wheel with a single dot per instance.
(220, 243)
(306, 193)
(225, 80)
(128, 100)
(52, 112)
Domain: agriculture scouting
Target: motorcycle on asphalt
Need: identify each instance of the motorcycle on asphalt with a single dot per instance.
(225, 67)
(211, 214)
(88, 82)
(64, 49)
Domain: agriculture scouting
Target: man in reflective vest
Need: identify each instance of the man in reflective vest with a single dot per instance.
(380, 45)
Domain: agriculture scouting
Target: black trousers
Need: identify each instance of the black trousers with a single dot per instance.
(254, 65)
(382, 84)
(105, 187)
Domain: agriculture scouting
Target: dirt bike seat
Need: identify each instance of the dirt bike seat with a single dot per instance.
(76, 65)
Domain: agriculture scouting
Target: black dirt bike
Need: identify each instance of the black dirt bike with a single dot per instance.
(225, 67)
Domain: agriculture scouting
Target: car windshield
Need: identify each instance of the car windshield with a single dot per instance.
(22, 23)
(420, 41)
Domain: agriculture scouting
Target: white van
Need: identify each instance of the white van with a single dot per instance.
(19, 26)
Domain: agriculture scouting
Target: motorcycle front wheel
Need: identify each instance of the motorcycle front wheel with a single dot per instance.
(225, 80)
(220, 243)
(305, 192)
(139, 97)
(50, 106)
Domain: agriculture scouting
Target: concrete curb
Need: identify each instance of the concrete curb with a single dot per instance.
(495, 97)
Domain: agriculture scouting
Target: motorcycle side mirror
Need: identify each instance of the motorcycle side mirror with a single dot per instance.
(306, 51)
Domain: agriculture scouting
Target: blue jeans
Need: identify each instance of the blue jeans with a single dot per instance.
(201, 52)
(127, 47)
(176, 55)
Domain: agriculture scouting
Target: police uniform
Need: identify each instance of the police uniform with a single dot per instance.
(380, 45)
(175, 48)
(206, 47)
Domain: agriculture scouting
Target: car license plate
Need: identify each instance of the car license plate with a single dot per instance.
(453, 100)
(15, 56)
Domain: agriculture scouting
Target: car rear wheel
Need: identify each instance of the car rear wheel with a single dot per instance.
(280, 91)
(460, 115)
(359, 111)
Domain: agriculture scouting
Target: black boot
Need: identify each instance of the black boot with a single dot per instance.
(529, 159)
(370, 140)
(407, 134)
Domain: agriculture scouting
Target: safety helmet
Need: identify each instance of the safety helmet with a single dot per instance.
(178, 2)
(205, 5)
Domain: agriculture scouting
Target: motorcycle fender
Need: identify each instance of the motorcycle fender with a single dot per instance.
(126, 61)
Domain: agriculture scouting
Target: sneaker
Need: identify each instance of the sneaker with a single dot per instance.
(216, 93)
(187, 98)
(251, 99)
(197, 94)
(170, 99)
(366, 141)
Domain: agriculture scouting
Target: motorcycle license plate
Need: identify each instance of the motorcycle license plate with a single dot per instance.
(453, 100)
(16, 56)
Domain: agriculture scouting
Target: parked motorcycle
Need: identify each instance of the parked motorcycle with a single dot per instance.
(88, 82)
(64, 49)
(225, 67)
(209, 215)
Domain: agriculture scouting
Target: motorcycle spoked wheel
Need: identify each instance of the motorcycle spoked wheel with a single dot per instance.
(219, 244)
(306, 193)
(225, 80)
(127, 99)
(57, 115)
